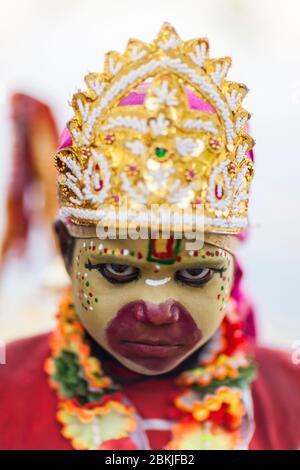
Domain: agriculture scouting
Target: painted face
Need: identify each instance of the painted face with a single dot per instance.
(150, 303)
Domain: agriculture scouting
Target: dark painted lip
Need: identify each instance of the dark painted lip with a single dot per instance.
(151, 350)
(152, 343)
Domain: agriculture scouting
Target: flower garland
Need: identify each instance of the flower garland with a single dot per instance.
(209, 411)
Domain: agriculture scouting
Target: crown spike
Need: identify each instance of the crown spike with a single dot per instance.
(96, 83)
(167, 38)
(218, 69)
(197, 50)
(113, 63)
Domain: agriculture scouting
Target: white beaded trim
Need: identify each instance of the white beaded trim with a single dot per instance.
(128, 122)
(185, 146)
(171, 43)
(219, 73)
(241, 153)
(198, 57)
(240, 122)
(200, 124)
(159, 125)
(166, 96)
(128, 188)
(135, 146)
(233, 98)
(183, 194)
(144, 217)
(222, 204)
(96, 86)
(114, 68)
(88, 175)
(137, 53)
(145, 69)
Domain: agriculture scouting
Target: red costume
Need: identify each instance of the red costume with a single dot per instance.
(28, 405)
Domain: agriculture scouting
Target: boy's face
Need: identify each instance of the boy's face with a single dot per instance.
(150, 303)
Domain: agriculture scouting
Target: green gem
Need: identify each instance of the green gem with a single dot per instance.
(160, 152)
(96, 299)
(87, 283)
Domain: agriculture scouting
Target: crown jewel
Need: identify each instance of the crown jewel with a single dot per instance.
(161, 125)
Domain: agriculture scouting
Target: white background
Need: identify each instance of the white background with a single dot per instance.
(46, 47)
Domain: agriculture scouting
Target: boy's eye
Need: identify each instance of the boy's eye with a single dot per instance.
(116, 273)
(194, 276)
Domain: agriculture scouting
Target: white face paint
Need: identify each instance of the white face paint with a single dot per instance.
(157, 282)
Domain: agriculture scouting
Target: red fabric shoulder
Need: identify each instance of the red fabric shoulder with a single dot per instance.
(276, 395)
(28, 406)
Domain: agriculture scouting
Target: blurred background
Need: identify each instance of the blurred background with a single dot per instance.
(46, 49)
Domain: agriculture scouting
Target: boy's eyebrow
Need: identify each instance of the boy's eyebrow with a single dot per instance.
(183, 262)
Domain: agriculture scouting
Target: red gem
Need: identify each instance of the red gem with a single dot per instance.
(98, 188)
(217, 192)
(208, 253)
(215, 144)
(109, 138)
(198, 201)
(139, 255)
(178, 258)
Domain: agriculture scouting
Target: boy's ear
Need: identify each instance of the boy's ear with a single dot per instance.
(66, 243)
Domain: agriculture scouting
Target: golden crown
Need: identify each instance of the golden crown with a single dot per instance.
(160, 126)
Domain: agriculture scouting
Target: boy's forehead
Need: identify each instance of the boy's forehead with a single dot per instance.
(160, 250)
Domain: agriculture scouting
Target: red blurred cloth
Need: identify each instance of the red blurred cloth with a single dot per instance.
(28, 406)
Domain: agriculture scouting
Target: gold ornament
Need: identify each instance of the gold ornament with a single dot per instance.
(162, 151)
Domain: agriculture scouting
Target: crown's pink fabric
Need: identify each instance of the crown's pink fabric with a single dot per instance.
(244, 305)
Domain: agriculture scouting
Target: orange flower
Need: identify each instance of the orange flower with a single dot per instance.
(201, 410)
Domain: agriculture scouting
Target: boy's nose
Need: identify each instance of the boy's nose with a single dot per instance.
(158, 314)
